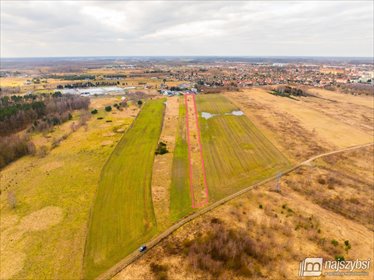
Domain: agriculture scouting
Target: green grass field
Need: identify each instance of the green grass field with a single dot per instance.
(180, 199)
(236, 153)
(122, 217)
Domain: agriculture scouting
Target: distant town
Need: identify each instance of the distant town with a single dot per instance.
(197, 75)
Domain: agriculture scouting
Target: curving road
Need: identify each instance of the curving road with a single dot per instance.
(135, 255)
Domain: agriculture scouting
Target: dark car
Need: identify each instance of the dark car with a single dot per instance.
(142, 248)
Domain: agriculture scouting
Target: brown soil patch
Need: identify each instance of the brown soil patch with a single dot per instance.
(109, 134)
(13, 237)
(8, 221)
(106, 143)
(12, 262)
(52, 165)
(42, 219)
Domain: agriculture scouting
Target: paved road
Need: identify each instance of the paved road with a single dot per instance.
(136, 255)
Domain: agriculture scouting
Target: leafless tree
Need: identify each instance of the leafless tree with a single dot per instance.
(12, 201)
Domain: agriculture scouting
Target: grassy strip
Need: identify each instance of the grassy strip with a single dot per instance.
(236, 153)
(122, 217)
(180, 199)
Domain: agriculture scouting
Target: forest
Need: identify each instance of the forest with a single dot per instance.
(32, 113)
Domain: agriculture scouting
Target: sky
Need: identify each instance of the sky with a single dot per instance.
(186, 28)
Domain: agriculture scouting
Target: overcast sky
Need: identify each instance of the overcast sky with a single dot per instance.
(93, 28)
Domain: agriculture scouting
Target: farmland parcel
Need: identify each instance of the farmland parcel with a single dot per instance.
(236, 153)
(122, 216)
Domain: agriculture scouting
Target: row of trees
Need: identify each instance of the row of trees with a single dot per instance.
(357, 89)
(287, 90)
(86, 85)
(37, 112)
(72, 77)
(13, 147)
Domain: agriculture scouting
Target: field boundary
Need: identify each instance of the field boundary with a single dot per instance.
(136, 255)
(201, 150)
(204, 202)
(95, 195)
(189, 154)
(154, 109)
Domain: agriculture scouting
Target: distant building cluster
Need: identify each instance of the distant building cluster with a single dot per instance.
(245, 75)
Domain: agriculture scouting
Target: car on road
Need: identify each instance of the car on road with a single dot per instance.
(142, 248)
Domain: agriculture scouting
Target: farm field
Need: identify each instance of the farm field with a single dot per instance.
(277, 229)
(341, 122)
(180, 196)
(309, 125)
(122, 216)
(236, 153)
(44, 235)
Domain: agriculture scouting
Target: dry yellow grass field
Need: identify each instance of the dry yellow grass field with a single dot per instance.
(293, 124)
(43, 237)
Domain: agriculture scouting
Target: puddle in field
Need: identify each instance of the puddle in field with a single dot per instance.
(237, 113)
(207, 115)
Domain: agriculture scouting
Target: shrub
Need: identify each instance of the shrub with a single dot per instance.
(339, 258)
(140, 103)
(43, 151)
(347, 246)
(226, 248)
(108, 108)
(334, 242)
(321, 180)
(159, 271)
(161, 149)
(13, 147)
(215, 221)
(94, 111)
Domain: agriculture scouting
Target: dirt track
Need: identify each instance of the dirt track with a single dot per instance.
(135, 255)
(198, 184)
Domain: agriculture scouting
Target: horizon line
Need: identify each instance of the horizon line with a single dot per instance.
(176, 56)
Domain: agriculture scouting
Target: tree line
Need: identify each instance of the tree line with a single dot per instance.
(37, 112)
(86, 85)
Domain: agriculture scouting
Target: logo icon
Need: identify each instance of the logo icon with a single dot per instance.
(311, 267)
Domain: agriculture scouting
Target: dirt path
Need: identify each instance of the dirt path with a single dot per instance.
(161, 174)
(136, 255)
(198, 184)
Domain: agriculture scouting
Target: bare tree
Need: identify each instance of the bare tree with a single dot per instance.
(12, 201)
